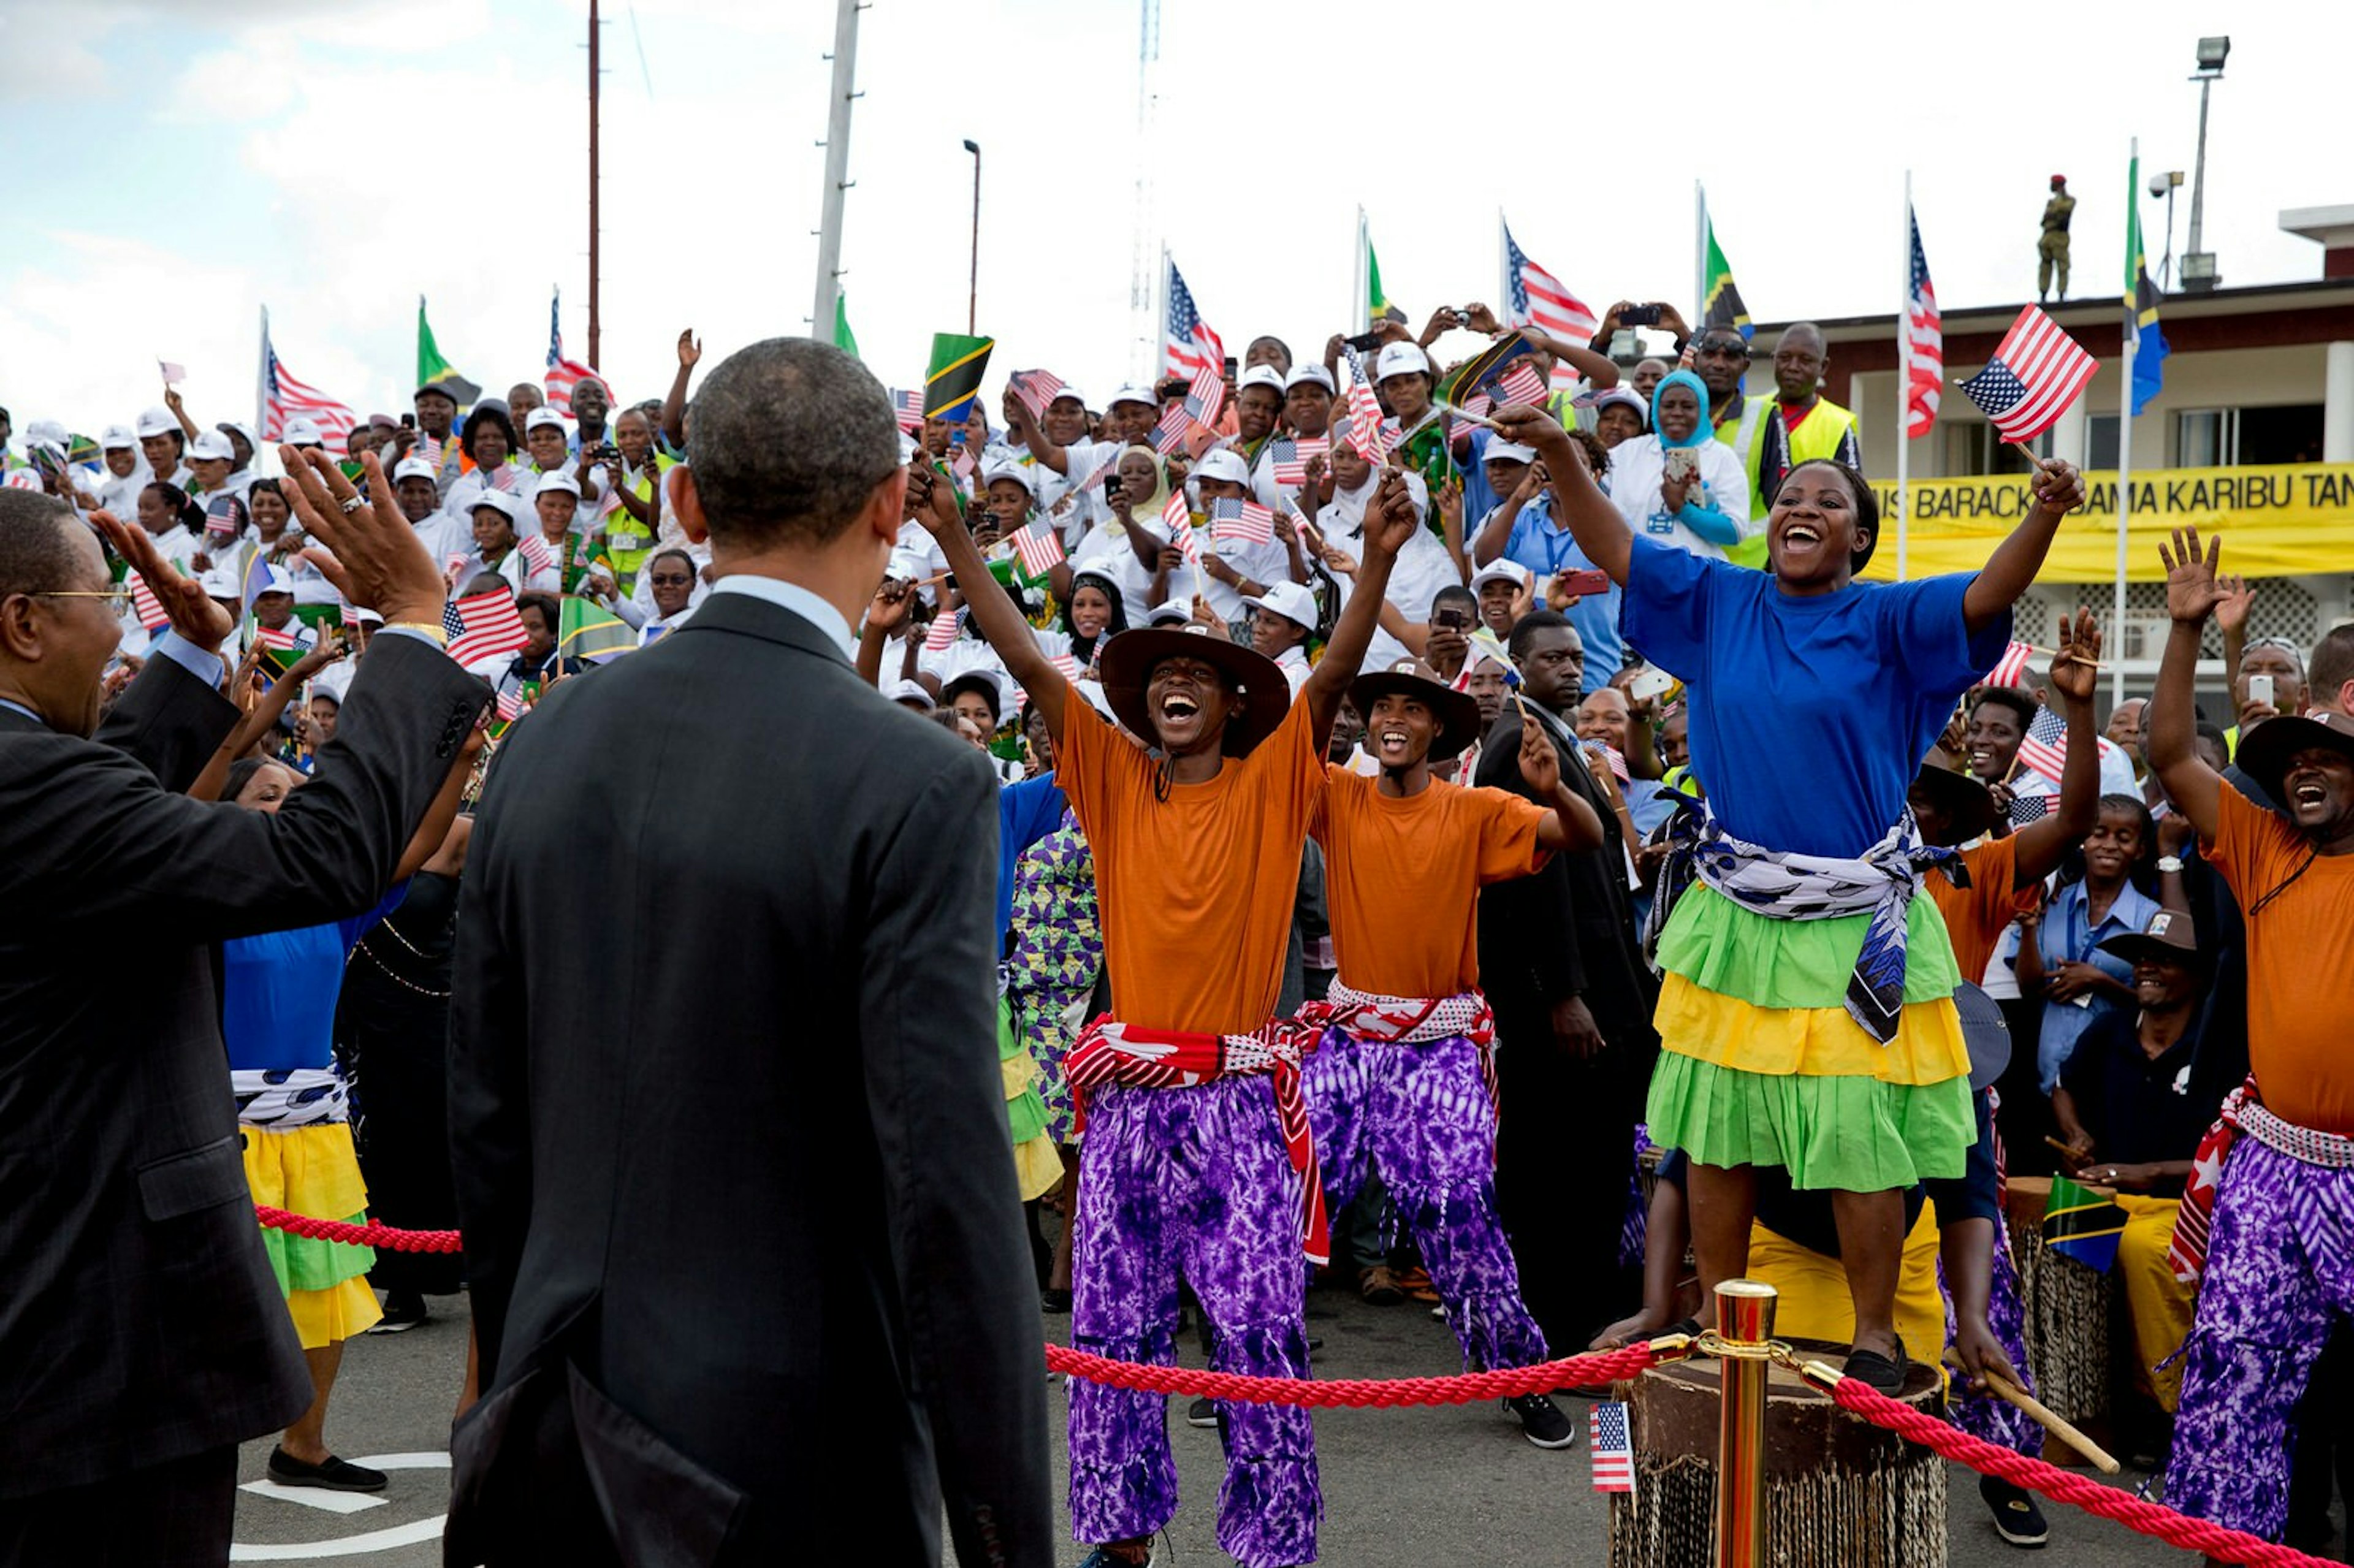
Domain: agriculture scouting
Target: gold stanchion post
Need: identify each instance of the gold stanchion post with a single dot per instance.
(1744, 1323)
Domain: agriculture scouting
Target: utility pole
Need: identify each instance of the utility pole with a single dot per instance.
(972, 294)
(595, 356)
(837, 169)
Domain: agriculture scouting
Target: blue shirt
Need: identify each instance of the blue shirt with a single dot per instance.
(1026, 813)
(2067, 936)
(1537, 543)
(279, 989)
(1809, 716)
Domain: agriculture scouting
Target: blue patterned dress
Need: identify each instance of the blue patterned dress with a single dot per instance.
(1057, 953)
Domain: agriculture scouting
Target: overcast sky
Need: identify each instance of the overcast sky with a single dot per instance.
(179, 164)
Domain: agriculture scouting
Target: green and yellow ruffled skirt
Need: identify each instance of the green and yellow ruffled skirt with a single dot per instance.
(1761, 1064)
(1037, 1164)
(314, 1170)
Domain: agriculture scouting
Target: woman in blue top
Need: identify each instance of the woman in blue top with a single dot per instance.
(1806, 1013)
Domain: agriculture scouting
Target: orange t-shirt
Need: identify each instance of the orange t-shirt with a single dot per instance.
(2300, 962)
(1402, 878)
(1976, 915)
(1196, 891)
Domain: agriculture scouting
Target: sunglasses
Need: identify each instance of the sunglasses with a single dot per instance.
(118, 599)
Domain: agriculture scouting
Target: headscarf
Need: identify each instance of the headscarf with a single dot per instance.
(1700, 432)
(1146, 508)
(1084, 649)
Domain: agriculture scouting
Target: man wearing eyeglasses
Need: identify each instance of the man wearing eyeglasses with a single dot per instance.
(142, 1333)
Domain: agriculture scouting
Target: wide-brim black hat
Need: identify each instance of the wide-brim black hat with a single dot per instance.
(2264, 751)
(1969, 803)
(1125, 665)
(1458, 712)
(1986, 1034)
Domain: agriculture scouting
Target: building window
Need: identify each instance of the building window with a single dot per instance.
(2290, 432)
(2206, 438)
(2101, 441)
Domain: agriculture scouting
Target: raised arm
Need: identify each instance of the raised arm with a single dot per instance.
(1033, 436)
(1597, 526)
(2059, 490)
(673, 408)
(2191, 595)
(1390, 520)
(1000, 622)
(2075, 676)
(1571, 823)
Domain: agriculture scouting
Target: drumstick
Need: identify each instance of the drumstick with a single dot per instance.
(2102, 1460)
(1468, 417)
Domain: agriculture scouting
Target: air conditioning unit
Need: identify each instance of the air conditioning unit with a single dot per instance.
(2141, 638)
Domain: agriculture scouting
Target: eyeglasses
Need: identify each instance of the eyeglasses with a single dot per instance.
(118, 599)
(1728, 350)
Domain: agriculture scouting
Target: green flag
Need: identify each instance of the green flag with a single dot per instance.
(954, 376)
(589, 630)
(432, 370)
(2081, 1224)
(844, 338)
(1721, 300)
(1377, 304)
(2142, 329)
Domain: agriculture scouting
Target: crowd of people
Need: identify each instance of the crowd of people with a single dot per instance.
(1397, 844)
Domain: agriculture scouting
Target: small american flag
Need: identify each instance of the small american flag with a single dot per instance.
(908, 409)
(510, 701)
(1036, 388)
(943, 631)
(2045, 749)
(2036, 373)
(1098, 474)
(483, 626)
(501, 478)
(1205, 397)
(1169, 435)
(2013, 666)
(1040, 547)
(225, 514)
(1520, 384)
(146, 605)
(276, 637)
(1478, 403)
(1612, 1448)
(1179, 518)
(1291, 457)
(1187, 344)
(536, 553)
(1364, 412)
(1245, 520)
(171, 373)
(964, 464)
(430, 448)
(1066, 666)
(1926, 332)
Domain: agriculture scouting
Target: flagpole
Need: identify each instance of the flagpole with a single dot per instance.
(1700, 255)
(1905, 387)
(2125, 452)
(1360, 303)
(261, 380)
(1503, 271)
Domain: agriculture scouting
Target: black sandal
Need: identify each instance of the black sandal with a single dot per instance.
(1878, 1372)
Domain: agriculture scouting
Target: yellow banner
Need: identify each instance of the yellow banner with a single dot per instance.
(2282, 520)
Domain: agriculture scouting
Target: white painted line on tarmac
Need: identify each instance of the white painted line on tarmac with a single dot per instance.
(383, 1539)
(314, 1497)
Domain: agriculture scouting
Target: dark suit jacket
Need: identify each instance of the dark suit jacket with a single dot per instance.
(139, 1321)
(733, 1163)
(1569, 930)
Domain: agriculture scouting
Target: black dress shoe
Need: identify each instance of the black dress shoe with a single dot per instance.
(1876, 1370)
(332, 1475)
(1056, 1301)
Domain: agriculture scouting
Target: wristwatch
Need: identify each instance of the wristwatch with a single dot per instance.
(2169, 862)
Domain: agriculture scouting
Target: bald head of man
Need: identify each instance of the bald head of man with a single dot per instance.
(1799, 361)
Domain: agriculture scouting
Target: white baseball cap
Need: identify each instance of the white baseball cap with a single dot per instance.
(1501, 450)
(910, 691)
(118, 438)
(1307, 375)
(1289, 600)
(1225, 463)
(156, 422)
(1013, 470)
(303, 433)
(1260, 376)
(1170, 612)
(1132, 395)
(1500, 571)
(498, 501)
(414, 468)
(1071, 393)
(1400, 359)
(211, 446)
(275, 580)
(220, 583)
(543, 415)
(561, 479)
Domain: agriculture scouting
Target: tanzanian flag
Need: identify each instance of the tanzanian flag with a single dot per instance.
(844, 338)
(1483, 370)
(432, 368)
(1377, 304)
(1721, 300)
(2142, 331)
(954, 377)
(590, 631)
(2081, 1224)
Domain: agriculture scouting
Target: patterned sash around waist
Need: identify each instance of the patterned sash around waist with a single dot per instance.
(2243, 1112)
(280, 1098)
(1414, 1021)
(1110, 1052)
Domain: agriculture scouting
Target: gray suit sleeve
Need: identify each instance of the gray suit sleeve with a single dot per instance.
(935, 1098)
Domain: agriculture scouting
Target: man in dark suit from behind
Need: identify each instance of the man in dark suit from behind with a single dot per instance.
(141, 1335)
(1564, 973)
(742, 1230)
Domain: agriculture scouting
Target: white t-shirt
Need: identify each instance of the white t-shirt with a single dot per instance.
(1636, 467)
(1086, 512)
(1422, 568)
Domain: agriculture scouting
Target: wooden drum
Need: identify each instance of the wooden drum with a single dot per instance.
(1839, 1492)
(2069, 1307)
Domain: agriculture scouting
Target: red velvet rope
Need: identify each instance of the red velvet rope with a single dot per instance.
(1469, 1388)
(2082, 1491)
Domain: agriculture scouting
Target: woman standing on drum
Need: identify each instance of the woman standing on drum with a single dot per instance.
(1807, 1014)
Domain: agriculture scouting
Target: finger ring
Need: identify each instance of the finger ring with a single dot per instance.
(350, 503)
